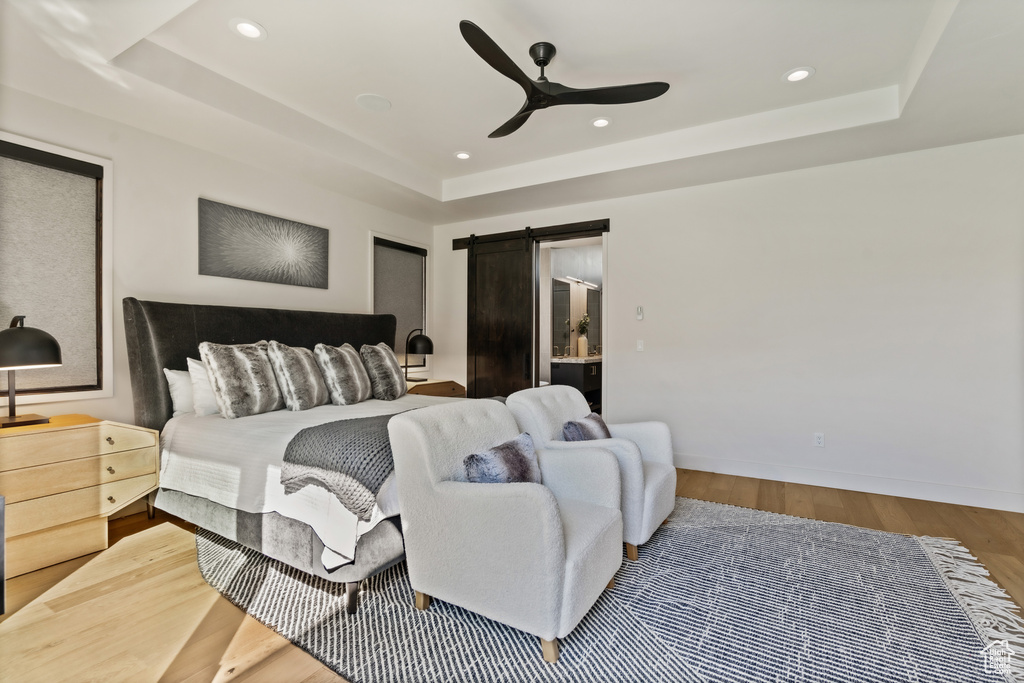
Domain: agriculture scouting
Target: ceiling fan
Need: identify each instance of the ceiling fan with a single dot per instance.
(542, 93)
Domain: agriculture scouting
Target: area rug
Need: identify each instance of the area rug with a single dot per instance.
(720, 593)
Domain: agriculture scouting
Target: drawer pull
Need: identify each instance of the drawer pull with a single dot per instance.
(110, 469)
(110, 440)
(111, 499)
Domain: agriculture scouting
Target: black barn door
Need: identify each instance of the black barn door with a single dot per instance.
(501, 321)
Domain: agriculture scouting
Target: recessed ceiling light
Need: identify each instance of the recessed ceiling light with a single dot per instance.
(462, 155)
(249, 29)
(373, 102)
(798, 74)
(600, 122)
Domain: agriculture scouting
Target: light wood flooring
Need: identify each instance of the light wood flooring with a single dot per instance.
(140, 611)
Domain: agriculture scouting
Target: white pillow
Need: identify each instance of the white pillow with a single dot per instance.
(203, 398)
(180, 384)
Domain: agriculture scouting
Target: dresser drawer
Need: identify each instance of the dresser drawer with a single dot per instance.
(40, 513)
(47, 480)
(69, 443)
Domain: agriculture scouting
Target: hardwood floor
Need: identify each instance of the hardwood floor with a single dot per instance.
(140, 611)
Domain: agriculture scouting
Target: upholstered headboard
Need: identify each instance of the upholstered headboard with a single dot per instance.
(162, 335)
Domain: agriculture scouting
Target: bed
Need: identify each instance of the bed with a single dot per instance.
(163, 335)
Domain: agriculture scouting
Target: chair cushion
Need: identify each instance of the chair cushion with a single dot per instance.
(586, 429)
(507, 463)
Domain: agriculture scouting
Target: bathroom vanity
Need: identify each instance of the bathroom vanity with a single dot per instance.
(582, 373)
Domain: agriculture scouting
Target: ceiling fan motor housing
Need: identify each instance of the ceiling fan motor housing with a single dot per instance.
(542, 54)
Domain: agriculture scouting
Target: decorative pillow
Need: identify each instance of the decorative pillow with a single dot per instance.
(242, 378)
(298, 377)
(589, 428)
(180, 385)
(203, 400)
(384, 370)
(342, 369)
(512, 461)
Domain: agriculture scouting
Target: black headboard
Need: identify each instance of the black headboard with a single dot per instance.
(162, 335)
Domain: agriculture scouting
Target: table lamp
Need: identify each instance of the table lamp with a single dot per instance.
(23, 348)
(419, 344)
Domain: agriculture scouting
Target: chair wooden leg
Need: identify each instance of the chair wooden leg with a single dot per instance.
(631, 552)
(422, 600)
(550, 649)
(611, 584)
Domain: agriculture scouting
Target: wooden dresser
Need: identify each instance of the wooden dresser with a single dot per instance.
(63, 479)
(438, 387)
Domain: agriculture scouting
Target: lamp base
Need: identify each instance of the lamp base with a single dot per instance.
(416, 379)
(23, 420)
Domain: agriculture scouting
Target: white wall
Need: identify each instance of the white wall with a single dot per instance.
(880, 302)
(156, 185)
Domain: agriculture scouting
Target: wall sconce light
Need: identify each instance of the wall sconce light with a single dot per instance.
(421, 343)
(24, 348)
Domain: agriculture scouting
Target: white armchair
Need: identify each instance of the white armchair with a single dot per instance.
(533, 556)
(643, 450)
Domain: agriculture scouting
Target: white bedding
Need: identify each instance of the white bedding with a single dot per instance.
(237, 463)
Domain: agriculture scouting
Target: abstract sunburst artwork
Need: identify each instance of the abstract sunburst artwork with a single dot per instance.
(247, 245)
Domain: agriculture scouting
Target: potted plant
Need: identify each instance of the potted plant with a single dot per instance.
(581, 327)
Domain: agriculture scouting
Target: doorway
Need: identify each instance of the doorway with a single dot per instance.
(504, 335)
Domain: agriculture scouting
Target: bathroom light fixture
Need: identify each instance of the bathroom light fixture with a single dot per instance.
(600, 122)
(249, 29)
(798, 74)
(373, 102)
(462, 155)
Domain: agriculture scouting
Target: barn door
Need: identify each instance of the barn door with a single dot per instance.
(502, 311)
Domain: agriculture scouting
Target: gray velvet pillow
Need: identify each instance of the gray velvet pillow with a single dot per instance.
(242, 378)
(589, 428)
(343, 370)
(298, 377)
(512, 461)
(384, 370)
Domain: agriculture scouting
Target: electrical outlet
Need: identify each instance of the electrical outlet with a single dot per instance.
(819, 439)
(639, 344)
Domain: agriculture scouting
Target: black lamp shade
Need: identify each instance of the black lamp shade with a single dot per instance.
(27, 347)
(23, 348)
(421, 343)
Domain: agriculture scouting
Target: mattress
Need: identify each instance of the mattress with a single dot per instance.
(237, 464)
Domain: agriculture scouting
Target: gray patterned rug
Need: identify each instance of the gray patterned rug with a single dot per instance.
(720, 593)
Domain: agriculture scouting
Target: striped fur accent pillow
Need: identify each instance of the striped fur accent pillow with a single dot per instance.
(586, 429)
(298, 377)
(343, 370)
(242, 377)
(384, 370)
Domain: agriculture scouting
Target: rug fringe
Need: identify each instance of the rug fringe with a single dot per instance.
(992, 610)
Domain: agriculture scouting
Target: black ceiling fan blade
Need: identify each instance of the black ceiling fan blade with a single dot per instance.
(615, 94)
(493, 55)
(513, 124)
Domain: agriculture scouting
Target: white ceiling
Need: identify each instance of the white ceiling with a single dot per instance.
(891, 76)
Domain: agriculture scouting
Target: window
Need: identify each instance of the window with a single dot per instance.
(400, 287)
(52, 255)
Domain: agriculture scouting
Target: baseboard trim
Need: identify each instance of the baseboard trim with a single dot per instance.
(904, 488)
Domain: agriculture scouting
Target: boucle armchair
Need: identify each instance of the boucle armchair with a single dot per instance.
(533, 556)
(643, 449)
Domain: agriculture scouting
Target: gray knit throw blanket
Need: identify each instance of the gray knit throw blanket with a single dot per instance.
(349, 458)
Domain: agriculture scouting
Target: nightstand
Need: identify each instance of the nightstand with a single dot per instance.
(63, 479)
(438, 387)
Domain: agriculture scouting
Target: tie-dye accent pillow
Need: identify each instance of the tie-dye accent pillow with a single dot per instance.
(342, 369)
(242, 377)
(298, 377)
(589, 428)
(384, 370)
(510, 462)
